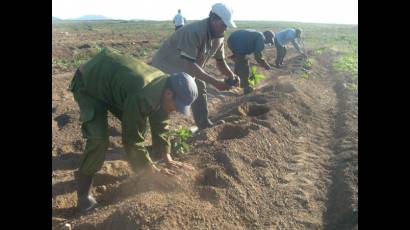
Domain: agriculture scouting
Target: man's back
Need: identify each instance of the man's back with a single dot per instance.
(179, 20)
(111, 76)
(285, 36)
(192, 41)
(246, 41)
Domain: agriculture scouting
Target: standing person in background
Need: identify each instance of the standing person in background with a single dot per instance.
(284, 37)
(179, 20)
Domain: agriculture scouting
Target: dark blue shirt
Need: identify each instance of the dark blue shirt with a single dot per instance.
(246, 41)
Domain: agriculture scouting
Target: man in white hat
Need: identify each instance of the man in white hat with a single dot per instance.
(188, 50)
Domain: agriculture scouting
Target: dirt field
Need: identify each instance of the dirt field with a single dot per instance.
(285, 158)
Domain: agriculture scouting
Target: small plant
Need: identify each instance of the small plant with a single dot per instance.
(254, 78)
(304, 74)
(178, 138)
(308, 64)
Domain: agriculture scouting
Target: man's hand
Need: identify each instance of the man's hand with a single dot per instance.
(268, 67)
(238, 79)
(233, 81)
(177, 164)
(159, 176)
(221, 85)
(152, 169)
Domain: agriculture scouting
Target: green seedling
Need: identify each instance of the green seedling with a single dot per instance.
(178, 138)
(254, 78)
(308, 64)
(304, 74)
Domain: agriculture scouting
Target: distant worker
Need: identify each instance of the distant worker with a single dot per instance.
(179, 20)
(244, 42)
(135, 93)
(284, 37)
(189, 49)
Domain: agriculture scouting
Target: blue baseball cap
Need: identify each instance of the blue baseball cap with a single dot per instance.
(185, 90)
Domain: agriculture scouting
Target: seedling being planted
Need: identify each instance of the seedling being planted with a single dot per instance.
(178, 138)
(308, 64)
(254, 78)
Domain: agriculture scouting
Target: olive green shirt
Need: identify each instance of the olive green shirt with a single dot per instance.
(133, 91)
(193, 42)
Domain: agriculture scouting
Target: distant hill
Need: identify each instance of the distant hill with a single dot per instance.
(91, 17)
(56, 19)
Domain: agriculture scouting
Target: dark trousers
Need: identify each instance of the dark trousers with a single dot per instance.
(94, 127)
(200, 106)
(242, 69)
(280, 53)
(177, 27)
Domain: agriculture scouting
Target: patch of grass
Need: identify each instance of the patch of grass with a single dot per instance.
(318, 51)
(347, 63)
(315, 36)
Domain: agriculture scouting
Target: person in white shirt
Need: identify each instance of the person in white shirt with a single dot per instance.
(179, 20)
(284, 37)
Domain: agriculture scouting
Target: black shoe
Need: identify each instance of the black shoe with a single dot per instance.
(86, 201)
(206, 124)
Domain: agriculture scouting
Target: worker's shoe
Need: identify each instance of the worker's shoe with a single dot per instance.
(85, 201)
(207, 124)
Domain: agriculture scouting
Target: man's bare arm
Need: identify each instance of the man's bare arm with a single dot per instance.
(224, 68)
(195, 70)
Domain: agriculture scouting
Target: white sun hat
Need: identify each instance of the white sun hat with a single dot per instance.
(224, 13)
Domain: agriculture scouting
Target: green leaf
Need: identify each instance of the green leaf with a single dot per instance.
(253, 70)
(255, 77)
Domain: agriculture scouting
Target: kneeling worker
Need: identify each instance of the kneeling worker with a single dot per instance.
(134, 92)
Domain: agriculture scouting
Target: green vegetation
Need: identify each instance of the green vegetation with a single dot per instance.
(255, 77)
(128, 35)
(308, 63)
(348, 63)
(178, 138)
(304, 74)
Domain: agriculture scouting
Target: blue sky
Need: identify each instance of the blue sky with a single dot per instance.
(319, 11)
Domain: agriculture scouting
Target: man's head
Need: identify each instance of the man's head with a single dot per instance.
(180, 92)
(298, 33)
(269, 37)
(179, 10)
(220, 18)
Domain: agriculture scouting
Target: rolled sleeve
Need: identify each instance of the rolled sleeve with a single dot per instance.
(188, 44)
